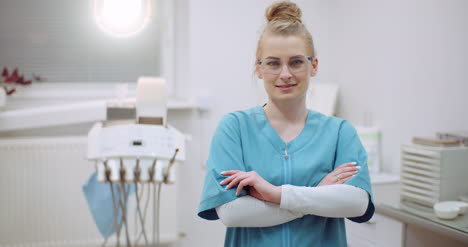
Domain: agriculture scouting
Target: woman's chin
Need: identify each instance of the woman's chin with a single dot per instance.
(287, 97)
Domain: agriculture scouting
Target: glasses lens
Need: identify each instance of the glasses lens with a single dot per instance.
(274, 66)
(297, 64)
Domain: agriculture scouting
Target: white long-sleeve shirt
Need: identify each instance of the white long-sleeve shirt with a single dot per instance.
(338, 201)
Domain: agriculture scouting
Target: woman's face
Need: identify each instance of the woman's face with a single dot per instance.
(285, 67)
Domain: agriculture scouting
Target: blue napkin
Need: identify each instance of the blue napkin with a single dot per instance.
(99, 198)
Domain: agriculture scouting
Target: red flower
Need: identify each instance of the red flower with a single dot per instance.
(5, 72)
(16, 78)
(10, 92)
(25, 82)
(15, 73)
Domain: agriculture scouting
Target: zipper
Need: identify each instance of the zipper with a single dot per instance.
(286, 155)
(286, 179)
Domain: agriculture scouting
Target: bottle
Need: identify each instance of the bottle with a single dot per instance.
(370, 139)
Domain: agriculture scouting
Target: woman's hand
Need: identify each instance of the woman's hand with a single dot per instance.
(341, 174)
(259, 187)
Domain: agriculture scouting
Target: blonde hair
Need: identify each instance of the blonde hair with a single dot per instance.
(284, 18)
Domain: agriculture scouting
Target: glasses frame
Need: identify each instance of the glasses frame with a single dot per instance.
(260, 61)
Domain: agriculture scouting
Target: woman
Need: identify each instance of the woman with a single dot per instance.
(282, 175)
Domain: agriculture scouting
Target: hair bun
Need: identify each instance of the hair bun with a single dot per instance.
(284, 10)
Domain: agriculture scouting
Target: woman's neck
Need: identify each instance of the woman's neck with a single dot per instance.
(293, 112)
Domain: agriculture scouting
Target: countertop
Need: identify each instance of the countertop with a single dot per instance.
(424, 217)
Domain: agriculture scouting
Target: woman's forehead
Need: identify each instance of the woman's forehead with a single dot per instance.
(282, 46)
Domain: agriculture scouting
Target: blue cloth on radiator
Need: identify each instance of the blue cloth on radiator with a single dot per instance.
(99, 198)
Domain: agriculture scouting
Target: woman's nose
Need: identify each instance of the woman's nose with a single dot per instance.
(285, 73)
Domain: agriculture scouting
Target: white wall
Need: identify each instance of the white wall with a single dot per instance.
(403, 61)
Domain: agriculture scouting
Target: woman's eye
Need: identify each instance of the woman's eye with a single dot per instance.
(296, 62)
(272, 63)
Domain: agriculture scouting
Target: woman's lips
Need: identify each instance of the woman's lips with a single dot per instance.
(286, 87)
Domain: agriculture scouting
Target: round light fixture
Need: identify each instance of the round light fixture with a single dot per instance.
(122, 18)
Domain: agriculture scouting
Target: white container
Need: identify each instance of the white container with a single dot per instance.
(449, 210)
(370, 139)
(151, 98)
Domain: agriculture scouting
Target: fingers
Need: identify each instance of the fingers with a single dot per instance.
(345, 176)
(342, 181)
(253, 192)
(230, 172)
(234, 179)
(239, 178)
(348, 174)
(242, 184)
(347, 167)
(349, 164)
(344, 172)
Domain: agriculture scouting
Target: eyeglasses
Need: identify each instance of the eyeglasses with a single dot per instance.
(275, 65)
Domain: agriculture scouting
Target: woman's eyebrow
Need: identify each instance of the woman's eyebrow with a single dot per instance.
(296, 56)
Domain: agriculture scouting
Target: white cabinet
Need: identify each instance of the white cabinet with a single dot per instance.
(379, 231)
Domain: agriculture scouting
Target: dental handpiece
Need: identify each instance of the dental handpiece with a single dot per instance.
(168, 168)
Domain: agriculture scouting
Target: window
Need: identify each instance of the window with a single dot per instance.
(63, 41)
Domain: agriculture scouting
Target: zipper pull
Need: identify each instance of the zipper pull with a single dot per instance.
(286, 156)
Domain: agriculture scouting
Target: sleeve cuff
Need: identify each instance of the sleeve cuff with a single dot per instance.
(286, 196)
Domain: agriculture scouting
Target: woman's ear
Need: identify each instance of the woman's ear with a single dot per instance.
(314, 65)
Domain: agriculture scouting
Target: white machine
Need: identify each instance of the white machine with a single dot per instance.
(135, 146)
(432, 174)
(122, 150)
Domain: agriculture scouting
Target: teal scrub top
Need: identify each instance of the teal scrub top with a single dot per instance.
(245, 140)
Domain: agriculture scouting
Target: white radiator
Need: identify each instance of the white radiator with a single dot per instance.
(41, 198)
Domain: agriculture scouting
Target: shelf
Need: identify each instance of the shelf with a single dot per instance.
(59, 104)
(67, 114)
(424, 218)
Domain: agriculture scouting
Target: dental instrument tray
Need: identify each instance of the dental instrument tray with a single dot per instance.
(135, 152)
